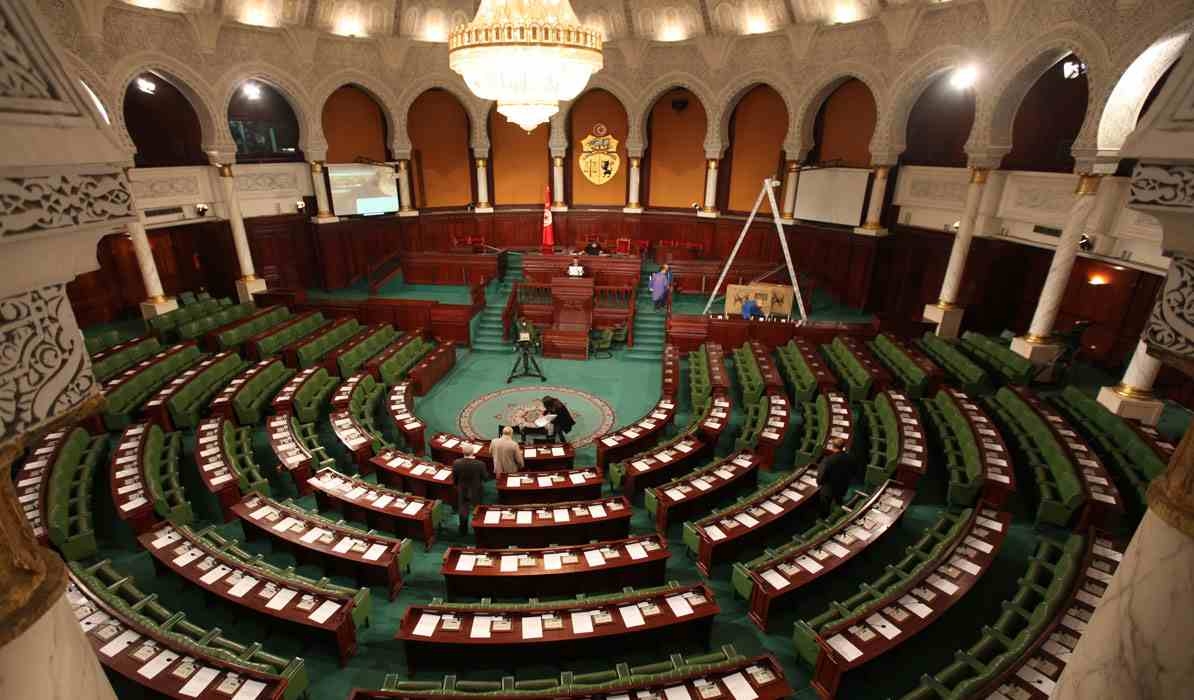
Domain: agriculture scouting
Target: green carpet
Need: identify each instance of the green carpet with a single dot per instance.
(397, 289)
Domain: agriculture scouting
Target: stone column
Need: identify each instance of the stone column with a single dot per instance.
(557, 183)
(322, 201)
(1137, 644)
(483, 205)
(1035, 344)
(946, 312)
(156, 302)
(632, 195)
(787, 212)
(248, 282)
(874, 208)
(43, 652)
(709, 208)
(1133, 396)
(405, 201)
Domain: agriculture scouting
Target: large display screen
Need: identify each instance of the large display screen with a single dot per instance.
(832, 195)
(363, 189)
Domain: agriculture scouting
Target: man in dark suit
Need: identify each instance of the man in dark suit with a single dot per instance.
(470, 474)
(564, 422)
(833, 475)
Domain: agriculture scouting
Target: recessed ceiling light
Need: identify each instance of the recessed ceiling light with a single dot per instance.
(146, 86)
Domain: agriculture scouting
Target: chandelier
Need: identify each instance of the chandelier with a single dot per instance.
(527, 55)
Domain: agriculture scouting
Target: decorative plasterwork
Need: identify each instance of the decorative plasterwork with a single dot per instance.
(932, 188)
(266, 182)
(166, 187)
(1037, 198)
(45, 203)
(1163, 186)
(1170, 327)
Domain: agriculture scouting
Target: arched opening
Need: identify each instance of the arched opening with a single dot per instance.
(1136, 90)
(438, 127)
(263, 124)
(1049, 118)
(844, 125)
(354, 126)
(939, 124)
(162, 123)
(520, 161)
(675, 151)
(757, 129)
(597, 115)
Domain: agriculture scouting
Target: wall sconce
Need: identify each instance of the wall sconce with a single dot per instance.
(201, 210)
(299, 206)
(1097, 280)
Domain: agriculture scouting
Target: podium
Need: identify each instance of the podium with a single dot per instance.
(572, 318)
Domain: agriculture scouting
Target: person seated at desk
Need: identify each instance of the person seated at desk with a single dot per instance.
(594, 248)
(507, 454)
(470, 473)
(751, 309)
(576, 269)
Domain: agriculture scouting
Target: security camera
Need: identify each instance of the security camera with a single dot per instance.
(1086, 243)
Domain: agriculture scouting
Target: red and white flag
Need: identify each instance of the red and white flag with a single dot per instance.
(549, 235)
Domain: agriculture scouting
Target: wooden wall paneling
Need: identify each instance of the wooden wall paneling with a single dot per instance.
(217, 257)
(516, 229)
(282, 250)
(451, 322)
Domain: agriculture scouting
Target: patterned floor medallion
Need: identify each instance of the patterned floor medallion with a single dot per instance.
(519, 405)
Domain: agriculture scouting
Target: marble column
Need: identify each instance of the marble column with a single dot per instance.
(323, 215)
(405, 202)
(787, 210)
(156, 302)
(709, 207)
(1035, 344)
(1139, 640)
(874, 208)
(248, 282)
(946, 312)
(557, 184)
(1133, 396)
(632, 190)
(483, 205)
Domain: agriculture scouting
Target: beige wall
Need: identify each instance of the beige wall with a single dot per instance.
(676, 151)
(760, 122)
(439, 135)
(520, 161)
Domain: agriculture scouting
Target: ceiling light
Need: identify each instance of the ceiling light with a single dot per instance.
(146, 86)
(528, 56)
(251, 91)
(673, 32)
(757, 24)
(846, 13)
(1073, 68)
(349, 26)
(964, 78)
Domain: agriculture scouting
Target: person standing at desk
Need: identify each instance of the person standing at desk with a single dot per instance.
(507, 454)
(564, 422)
(833, 475)
(575, 269)
(470, 474)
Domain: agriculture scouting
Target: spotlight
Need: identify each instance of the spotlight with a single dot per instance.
(1086, 243)
(147, 86)
(1073, 68)
(964, 78)
(200, 209)
(299, 206)
(251, 91)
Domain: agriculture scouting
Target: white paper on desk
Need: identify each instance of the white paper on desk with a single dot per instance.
(739, 687)
(249, 691)
(771, 507)
(557, 452)
(636, 551)
(632, 616)
(492, 517)
(412, 508)
(597, 511)
(775, 578)
(916, 607)
(480, 628)
(325, 611)
(509, 564)
(725, 473)
(442, 475)
(843, 646)
(1107, 553)
(532, 627)
(576, 477)
(189, 556)
(122, 642)
(199, 682)
(242, 587)
(260, 512)
(989, 523)
(374, 552)
(214, 575)
(582, 622)
(544, 481)
(593, 557)
(383, 501)
(835, 549)
(343, 545)
(945, 586)
(679, 605)
(133, 504)
(523, 517)
(466, 562)
(714, 532)
(1037, 680)
(157, 664)
(561, 515)
(701, 484)
(984, 547)
(512, 482)
(553, 561)
(281, 598)
(610, 441)
(746, 519)
(312, 535)
(883, 626)
(809, 563)
(285, 524)
(529, 452)
(966, 565)
(426, 625)
(675, 494)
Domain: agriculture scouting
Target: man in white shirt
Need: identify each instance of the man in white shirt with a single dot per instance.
(575, 269)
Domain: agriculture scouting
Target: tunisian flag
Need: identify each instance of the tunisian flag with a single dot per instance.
(549, 234)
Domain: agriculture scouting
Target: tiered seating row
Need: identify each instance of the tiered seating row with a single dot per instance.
(224, 455)
(972, 378)
(803, 370)
(234, 334)
(128, 390)
(975, 454)
(167, 324)
(917, 373)
(310, 350)
(199, 327)
(297, 449)
(432, 367)
(400, 406)
(409, 473)
(305, 394)
(896, 440)
(855, 365)
(54, 490)
(542, 525)
(665, 462)
(642, 435)
(116, 359)
(384, 509)
(181, 401)
(352, 355)
(718, 481)
(826, 417)
(766, 429)
(1013, 368)
(550, 487)
(245, 398)
(272, 340)
(670, 377)
(392, 364)
(144, 478)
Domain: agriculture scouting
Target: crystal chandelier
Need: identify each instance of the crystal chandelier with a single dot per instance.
(527, 55)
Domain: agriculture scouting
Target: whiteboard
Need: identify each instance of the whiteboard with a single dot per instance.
(832, 195)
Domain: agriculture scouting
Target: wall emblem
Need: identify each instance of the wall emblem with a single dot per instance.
(598, 158)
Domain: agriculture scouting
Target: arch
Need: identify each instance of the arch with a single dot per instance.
(675, 165)
(114, 131)
(755, 149)
(442, 173)
(891, 130)
(310, 138)
(162, 123)
(216, 136)
(602, 81)
(658, 88)
(729, 98)
(595, 105)
(1119, 109)
(995, 111)
(378, 90)
(801, 124)
(477, 109)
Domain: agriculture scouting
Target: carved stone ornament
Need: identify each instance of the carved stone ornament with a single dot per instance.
(1170, 329)
(33, 204)
(1163, 186)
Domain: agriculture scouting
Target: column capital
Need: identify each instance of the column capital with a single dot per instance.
(225, 170)
(316, 166)
(882, 170)
(711, 163)
(636, 161)
(557, 161)
(978, 175)
(1088, 184)
(793, 166)
(481, 162)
